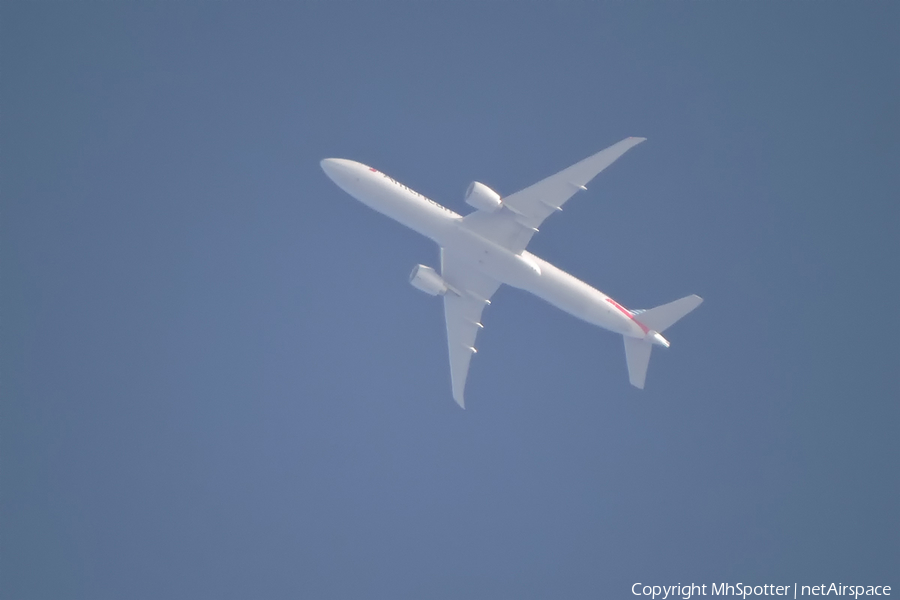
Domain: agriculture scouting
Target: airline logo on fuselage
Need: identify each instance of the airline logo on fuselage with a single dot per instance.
(412, 191)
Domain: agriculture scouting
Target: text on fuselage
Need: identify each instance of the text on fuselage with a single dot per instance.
(409, 189)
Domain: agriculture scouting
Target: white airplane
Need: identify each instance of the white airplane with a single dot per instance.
(486, 248)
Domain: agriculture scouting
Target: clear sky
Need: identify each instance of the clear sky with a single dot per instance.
(217, 383)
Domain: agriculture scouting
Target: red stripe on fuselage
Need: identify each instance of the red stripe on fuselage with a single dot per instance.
(628, 314)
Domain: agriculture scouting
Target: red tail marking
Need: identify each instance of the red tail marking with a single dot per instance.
(628, 314)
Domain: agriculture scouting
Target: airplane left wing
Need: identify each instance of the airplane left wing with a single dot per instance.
(471, 292)
(523, 212)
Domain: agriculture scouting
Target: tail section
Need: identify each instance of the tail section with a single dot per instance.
(657, 320)
(662, 317)
(637, 355)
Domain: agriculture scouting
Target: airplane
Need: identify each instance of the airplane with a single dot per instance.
(486, 248)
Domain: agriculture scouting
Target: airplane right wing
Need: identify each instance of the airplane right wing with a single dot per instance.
(471, 292)
(523, 212)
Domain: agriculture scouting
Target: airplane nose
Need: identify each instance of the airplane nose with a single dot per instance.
(330, 166)
(336, 165)
(340, 170)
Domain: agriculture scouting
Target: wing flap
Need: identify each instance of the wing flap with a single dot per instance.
(523, 212)
(545, 197)
(462, 314)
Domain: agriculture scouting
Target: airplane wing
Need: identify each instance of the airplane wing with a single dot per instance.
(523, 212)
(472, 291)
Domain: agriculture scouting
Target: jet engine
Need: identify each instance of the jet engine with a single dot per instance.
(482, 197)
(426, 279)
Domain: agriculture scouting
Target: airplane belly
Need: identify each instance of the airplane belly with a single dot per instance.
(577, 298)
(528, 272)
(493, 260)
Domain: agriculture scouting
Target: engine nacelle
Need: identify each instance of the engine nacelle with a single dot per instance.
(482, 197)
(426, 279)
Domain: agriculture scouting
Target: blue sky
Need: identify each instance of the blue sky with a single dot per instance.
(216, 381)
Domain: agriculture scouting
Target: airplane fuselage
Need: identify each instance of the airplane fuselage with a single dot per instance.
(523, 270)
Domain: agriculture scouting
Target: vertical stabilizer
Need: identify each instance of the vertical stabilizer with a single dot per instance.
(637, 355)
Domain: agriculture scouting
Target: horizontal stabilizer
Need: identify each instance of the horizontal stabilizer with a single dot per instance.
(637, 355)
(662, 317)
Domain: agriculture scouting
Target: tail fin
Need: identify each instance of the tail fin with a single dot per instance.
(657, 320)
